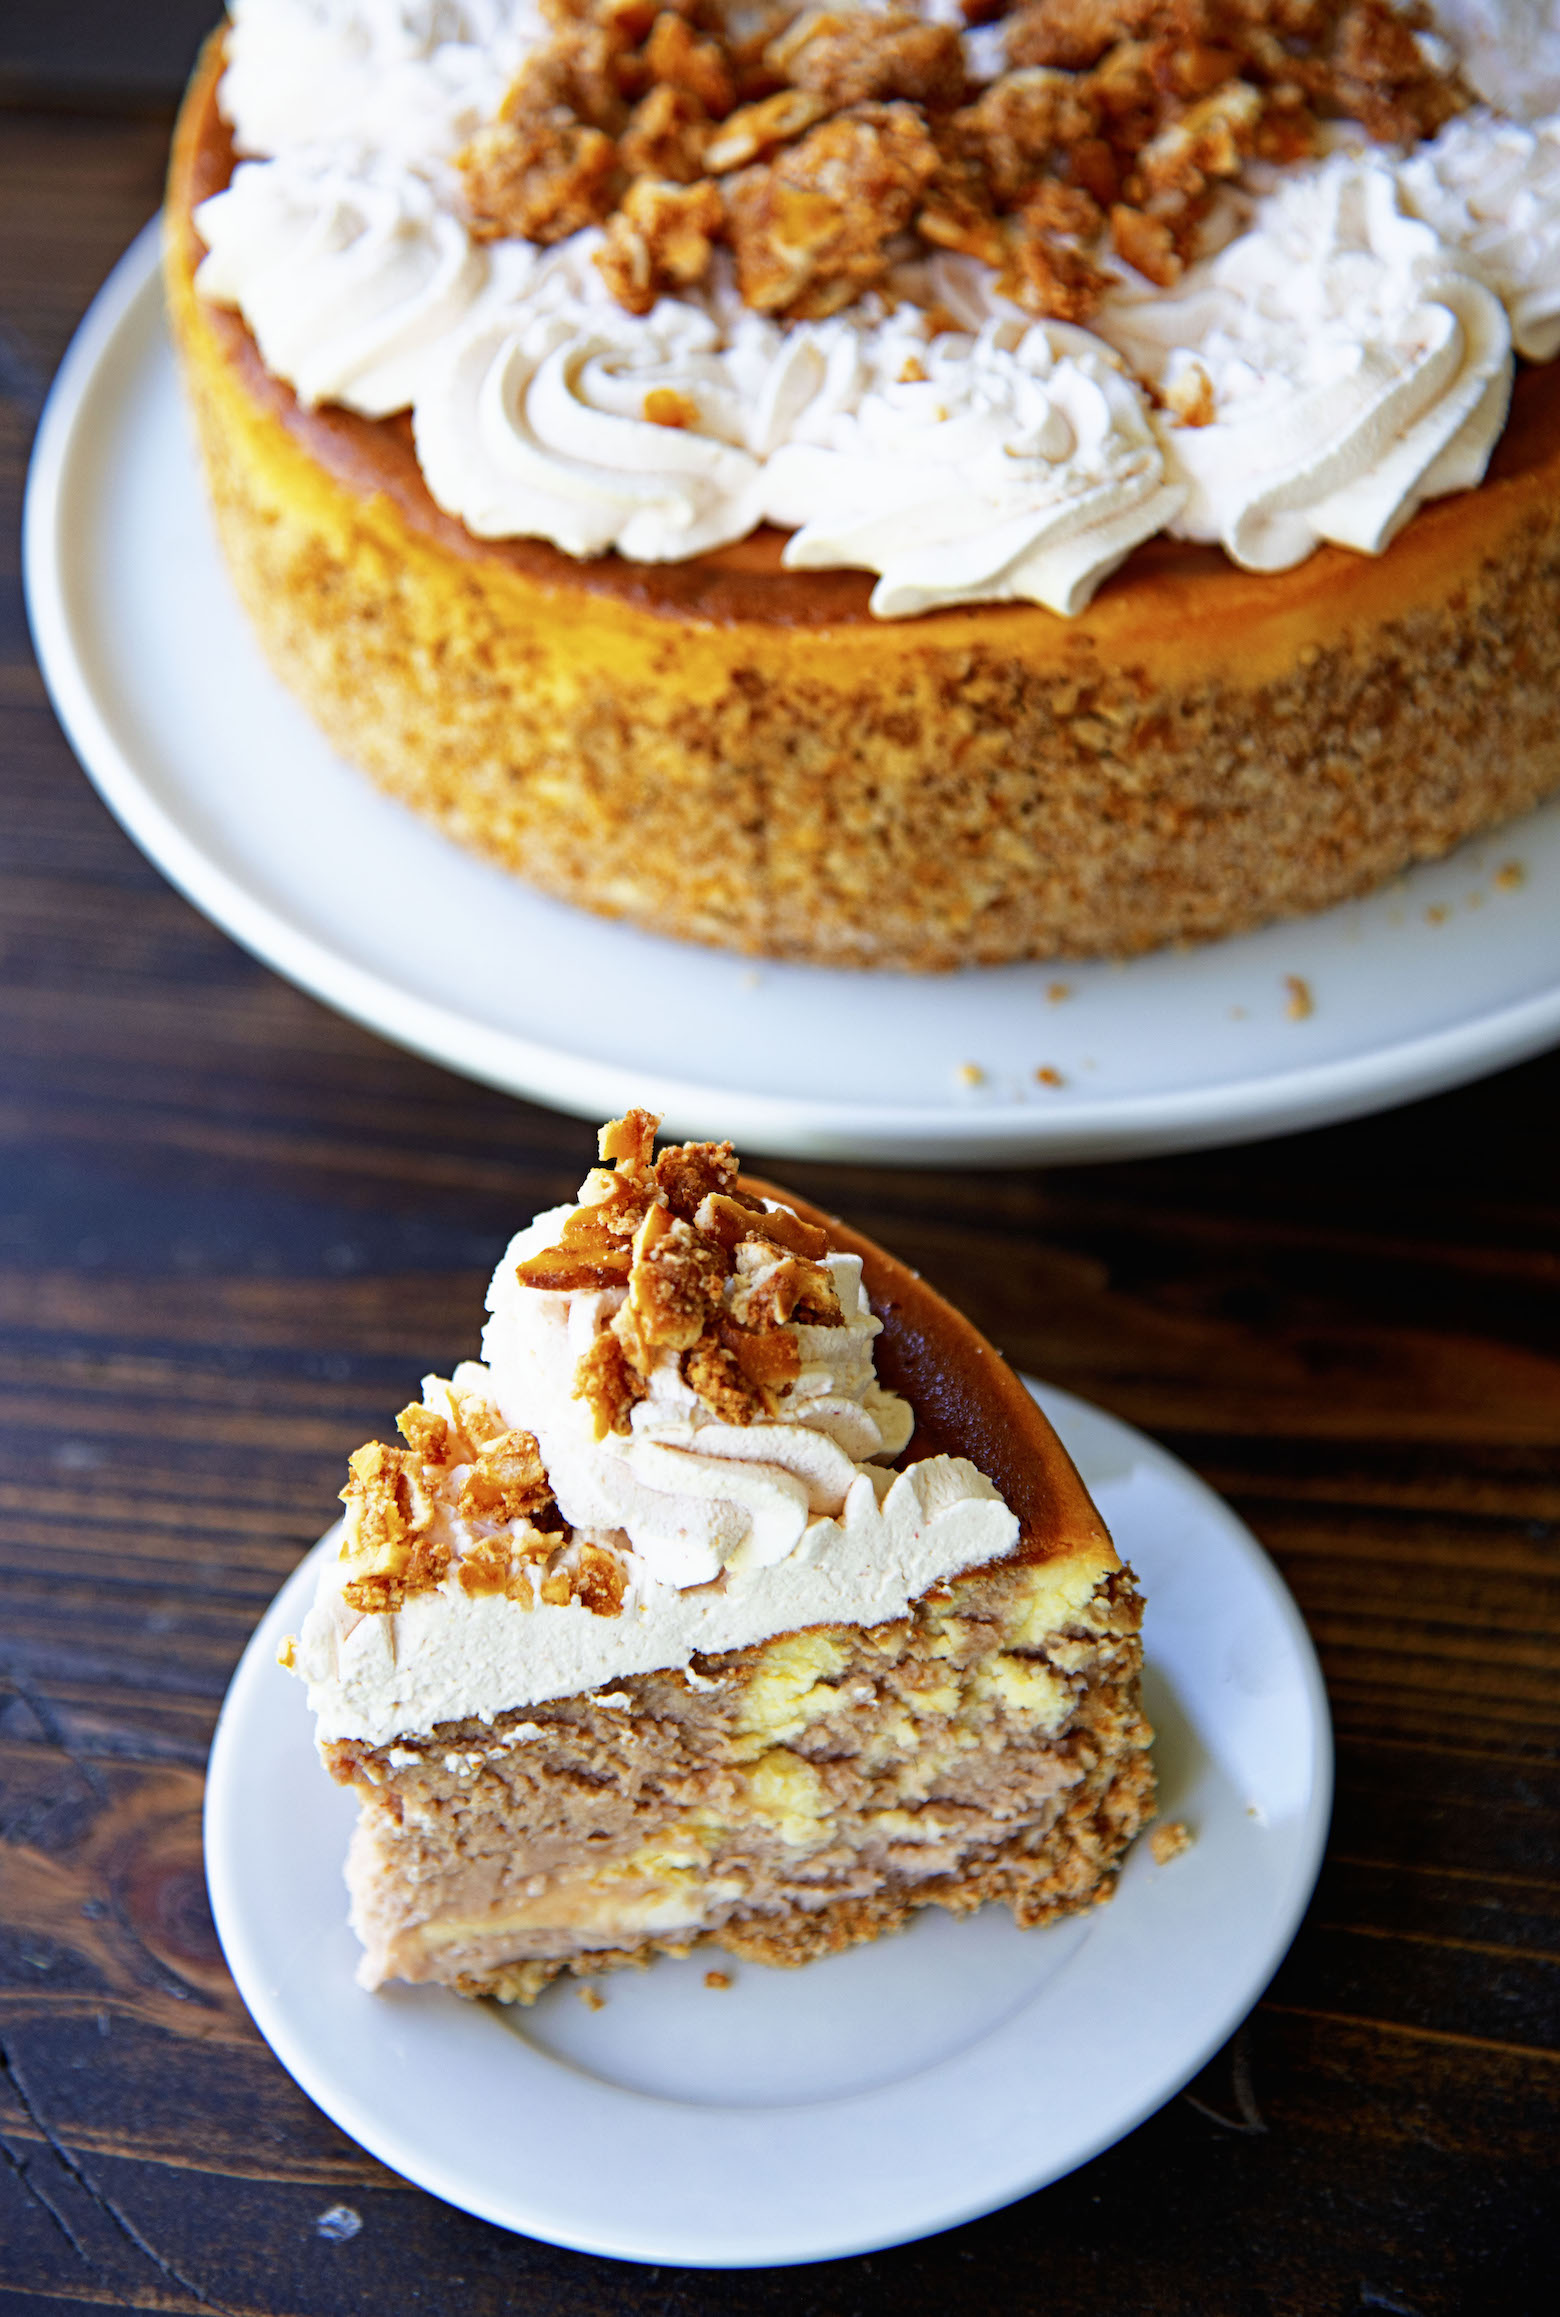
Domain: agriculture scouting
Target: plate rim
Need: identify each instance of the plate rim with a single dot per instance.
(438, 2177)
(1218, 1114)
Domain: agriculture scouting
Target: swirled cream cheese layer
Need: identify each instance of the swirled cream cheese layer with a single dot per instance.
(722, 1535)
(1333, 367)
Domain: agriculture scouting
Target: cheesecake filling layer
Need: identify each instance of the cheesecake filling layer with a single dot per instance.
(678, 1448)
(991, 1747)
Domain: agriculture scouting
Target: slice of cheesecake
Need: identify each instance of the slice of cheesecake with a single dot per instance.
(742, 1595)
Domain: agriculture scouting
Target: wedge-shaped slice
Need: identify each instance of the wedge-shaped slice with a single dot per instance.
(742, 1595)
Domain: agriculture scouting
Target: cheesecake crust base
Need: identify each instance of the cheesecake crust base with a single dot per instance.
(738, 755)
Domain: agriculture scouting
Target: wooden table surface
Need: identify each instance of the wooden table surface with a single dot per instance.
(233, 1232)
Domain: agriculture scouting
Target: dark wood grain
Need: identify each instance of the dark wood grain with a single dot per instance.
(234, 1230)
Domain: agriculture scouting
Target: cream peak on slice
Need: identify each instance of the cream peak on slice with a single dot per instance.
(678, 1444)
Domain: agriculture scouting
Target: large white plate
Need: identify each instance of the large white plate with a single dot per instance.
(222, 779)
(870, 2098)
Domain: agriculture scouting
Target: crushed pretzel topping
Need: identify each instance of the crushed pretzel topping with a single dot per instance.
(710, 1275)
(812, 142)
(507, 1482)
(389, 1524)
(661, 239)
(812, 230)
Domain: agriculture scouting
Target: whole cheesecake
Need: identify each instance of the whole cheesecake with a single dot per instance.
(734, 753)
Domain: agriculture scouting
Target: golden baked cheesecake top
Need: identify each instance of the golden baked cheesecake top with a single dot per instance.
(707, 1415)
(986, 314)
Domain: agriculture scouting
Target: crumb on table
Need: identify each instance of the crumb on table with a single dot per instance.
(1301, 1004)
(1510, 875)
(1168, 1841)
(1049, 1076)
(1058, 991)
(970, 1074)
(717, 1978)
(592, 1998)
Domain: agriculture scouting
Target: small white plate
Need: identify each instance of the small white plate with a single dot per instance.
(870, 2098)
(222, 779)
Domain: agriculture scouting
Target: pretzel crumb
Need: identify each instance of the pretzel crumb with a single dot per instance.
(1168, 1841)
(707, 1272)
(1300, 1005)
(664, 406)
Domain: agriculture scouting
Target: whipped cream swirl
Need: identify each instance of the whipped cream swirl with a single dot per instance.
(1337, 364)
(533, 422)
(693, 1495)
(1509, 51)
(1491, 190)
(408, 79)
(350, 276)
(1014, 460)
(1017, 463)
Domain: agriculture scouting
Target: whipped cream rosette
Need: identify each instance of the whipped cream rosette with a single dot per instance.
(1334, 366)
(539, 421)
(349, 272)
(1509, 51)
(411, 79)
(1018, 463)
(1490, 188)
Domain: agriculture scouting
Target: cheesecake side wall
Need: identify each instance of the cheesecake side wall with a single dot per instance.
(969, 788)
